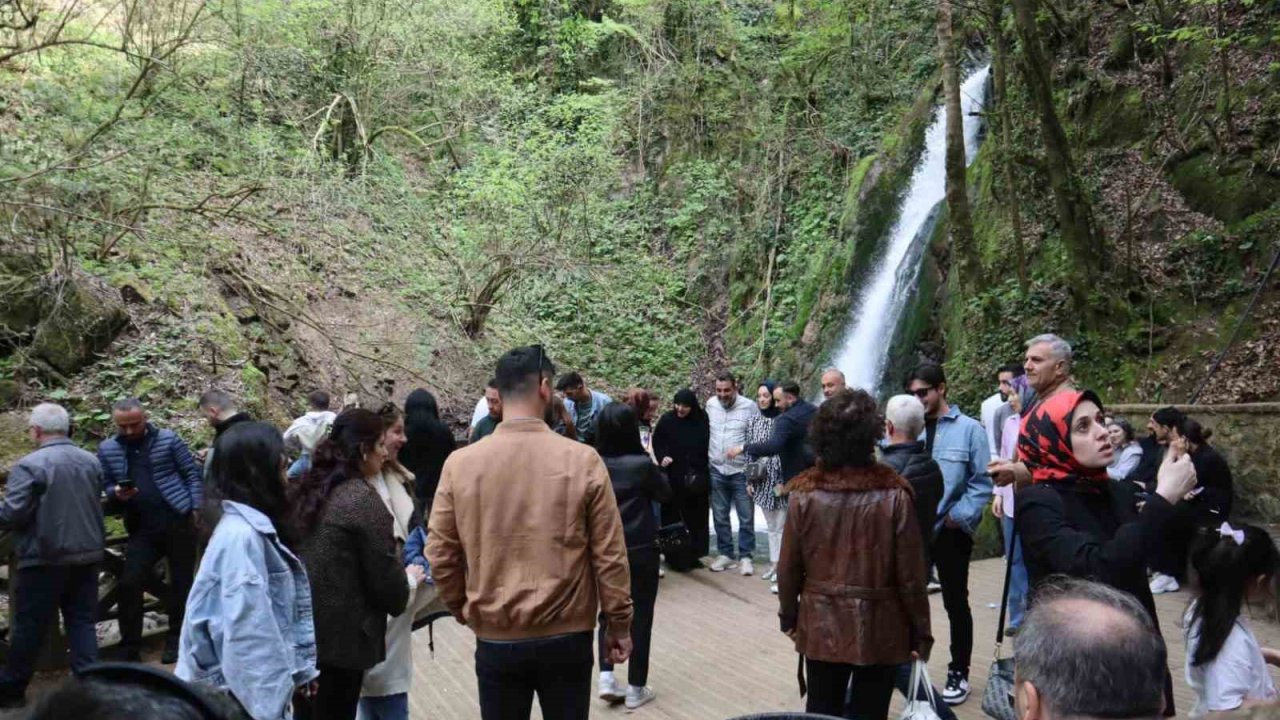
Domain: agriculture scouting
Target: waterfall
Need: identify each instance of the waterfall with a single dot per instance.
(874, 318)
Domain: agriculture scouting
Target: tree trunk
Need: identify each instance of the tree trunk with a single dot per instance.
(1074, 215)
(1004, 120)
(957, 184)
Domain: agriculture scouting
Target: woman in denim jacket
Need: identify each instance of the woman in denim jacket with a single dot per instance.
(248, 626)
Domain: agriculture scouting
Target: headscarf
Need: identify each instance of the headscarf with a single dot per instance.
(686, 397)
(1025, 393)
(772, 411)
(1045, 441)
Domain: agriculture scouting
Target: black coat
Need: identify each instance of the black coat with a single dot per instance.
(1070, 530)
(685, 441)
(790, 441)
(911, 461)
(1213, 504)
(1145, 472)
(637, 484)
(423, 455)
(357, 577)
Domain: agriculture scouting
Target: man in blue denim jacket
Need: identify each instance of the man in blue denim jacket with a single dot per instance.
(959, 445)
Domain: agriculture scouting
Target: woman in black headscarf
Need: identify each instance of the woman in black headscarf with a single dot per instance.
(680, 444)
(429, 442)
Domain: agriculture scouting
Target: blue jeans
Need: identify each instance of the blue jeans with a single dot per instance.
(903, 678)
(39, 592)
(386, 707)
(729, 490)
(1018, 582)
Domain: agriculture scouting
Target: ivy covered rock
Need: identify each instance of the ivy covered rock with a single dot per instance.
(80, 316)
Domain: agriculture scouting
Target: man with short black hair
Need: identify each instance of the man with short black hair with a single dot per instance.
(995, 409)
(583, 405)
(1164, 426)
(153, 474)
(1086, 651)
(728, 414)
(526, 547)
(957, 442)
(52, 509)
(489, 422)
(220, 411)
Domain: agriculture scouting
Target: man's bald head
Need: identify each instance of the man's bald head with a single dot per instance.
(832, 382)
(1088, 650)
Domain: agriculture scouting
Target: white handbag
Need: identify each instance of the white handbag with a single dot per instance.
(920, 698)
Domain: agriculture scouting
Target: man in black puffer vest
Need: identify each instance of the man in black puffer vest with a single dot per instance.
(904, 421)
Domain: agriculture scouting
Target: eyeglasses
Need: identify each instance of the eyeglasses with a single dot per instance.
(923, 392)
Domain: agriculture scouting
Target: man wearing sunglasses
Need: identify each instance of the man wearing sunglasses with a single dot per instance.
(959, 445)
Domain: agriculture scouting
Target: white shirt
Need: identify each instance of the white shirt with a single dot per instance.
(728, 431)
(481, 411)
(1237, 674)
(987, 415)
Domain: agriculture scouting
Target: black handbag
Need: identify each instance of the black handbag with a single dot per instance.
(696, 483)
(997, 698)
(673, 540)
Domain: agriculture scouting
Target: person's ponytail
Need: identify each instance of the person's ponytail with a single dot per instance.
(1226, 562)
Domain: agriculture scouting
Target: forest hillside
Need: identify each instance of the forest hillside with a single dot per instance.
(369, 196)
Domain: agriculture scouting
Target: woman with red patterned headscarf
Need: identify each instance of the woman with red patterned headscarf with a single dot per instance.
(1072, 520)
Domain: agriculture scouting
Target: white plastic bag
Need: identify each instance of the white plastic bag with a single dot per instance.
(917, 709)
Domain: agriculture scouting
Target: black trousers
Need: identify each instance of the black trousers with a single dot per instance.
(952, 550)
(336, 697)
(557, 669)
(829, 683)
(644, 594)
(1180, 531)
(38, 594)
(177, 544)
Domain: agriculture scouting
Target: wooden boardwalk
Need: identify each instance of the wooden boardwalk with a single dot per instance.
(717, 653)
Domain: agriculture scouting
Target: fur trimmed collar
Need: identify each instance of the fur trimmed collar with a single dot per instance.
(849, 479)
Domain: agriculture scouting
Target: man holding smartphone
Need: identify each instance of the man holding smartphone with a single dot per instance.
(151, 473)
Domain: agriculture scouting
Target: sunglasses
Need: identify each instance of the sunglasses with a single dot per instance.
(923, 392)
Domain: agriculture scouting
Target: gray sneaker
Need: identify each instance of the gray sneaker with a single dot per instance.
(637, 696)
(722, 563)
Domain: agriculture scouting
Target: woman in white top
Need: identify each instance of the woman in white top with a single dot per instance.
(1128, 451)
(385, 693)
(1226, 667)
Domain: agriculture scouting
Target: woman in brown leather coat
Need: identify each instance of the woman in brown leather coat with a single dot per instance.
(851, 578)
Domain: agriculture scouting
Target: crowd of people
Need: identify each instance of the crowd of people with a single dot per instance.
(548, 533)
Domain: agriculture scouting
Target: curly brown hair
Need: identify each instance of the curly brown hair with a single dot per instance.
(845, 431)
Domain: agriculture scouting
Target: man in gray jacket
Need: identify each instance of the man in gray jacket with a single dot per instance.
(52, 507)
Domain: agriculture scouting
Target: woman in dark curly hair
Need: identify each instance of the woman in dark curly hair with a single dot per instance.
(851, 578)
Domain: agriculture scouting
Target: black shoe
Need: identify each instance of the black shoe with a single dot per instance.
(957, 689)
(170, 655)
(1011, 632)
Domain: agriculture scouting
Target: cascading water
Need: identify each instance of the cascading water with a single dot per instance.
(876, 313)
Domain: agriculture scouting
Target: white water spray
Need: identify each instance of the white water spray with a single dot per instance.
(879, 307)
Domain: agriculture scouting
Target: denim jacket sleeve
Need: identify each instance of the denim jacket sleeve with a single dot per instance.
(231, 632)
(967, 512)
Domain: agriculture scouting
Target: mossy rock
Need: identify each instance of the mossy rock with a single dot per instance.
(1227, 191)
(82, 315)
(19, 294)
(14, 442)
(1116, 117)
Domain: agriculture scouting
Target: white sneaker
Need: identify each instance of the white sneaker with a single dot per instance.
(722, 563)
(637, 696)
(610, 691)
(773, 588)
(746, 567)
(771, 575)
(1162, 583)
(662, 571)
